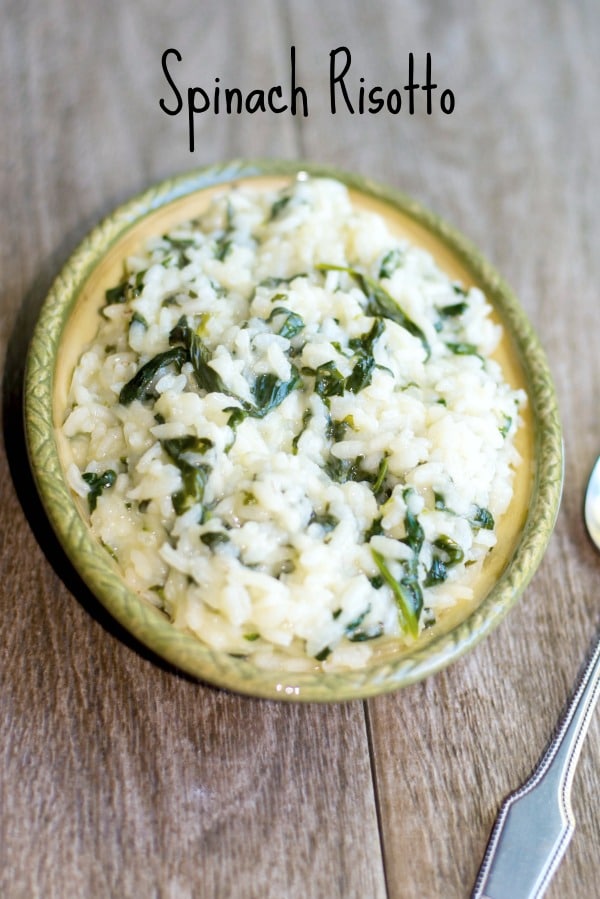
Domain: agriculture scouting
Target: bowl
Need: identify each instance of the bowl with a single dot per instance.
(68, 320)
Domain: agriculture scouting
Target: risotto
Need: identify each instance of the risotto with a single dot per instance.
(289, 431)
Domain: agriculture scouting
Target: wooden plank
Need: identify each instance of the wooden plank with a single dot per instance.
(512, 167)
(118, 776)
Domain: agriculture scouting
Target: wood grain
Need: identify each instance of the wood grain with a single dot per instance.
(120, 777)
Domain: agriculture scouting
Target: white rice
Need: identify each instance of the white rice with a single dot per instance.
(354, 493)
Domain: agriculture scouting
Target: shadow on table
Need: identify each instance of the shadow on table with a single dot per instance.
(16, 451)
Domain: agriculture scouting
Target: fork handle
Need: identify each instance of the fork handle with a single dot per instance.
(535, 823)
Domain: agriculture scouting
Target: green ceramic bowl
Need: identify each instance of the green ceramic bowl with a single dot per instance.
(67, 321)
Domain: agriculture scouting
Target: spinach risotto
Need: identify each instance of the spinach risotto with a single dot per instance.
(289, 431)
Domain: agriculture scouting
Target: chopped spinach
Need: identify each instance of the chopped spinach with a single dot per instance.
(306, 417)
(141, 386)
(407, 594)
(336, 430)
(223, 246)
(342, 470)
(292, 324)
(275, 281)
(451, 548)
(127, 290)
(482, 518)
(374, 530)
(381, 475)
(194, 476)
(325, 520)
(440, 501)
(117, 294)
(236, 416)
(278, 206)
(452, 554)
(213, 538)
(270, 391)
(390, 262)
(329, 381)
(198, 355)
(179, 245)
(176, 447)
(139, 319)
(96, 484)
(437, 574)
(380, 304)
(361, 634)
(453, 310)
(414, 532)
(462, 349)
(357, 632)
(361, 374)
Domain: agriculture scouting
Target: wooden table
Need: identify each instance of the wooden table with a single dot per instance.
(122, 778)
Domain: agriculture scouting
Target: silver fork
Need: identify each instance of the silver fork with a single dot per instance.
(535, 823)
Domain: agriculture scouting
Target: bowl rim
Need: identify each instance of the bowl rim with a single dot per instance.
(146, 623)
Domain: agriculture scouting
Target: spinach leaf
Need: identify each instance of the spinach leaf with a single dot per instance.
(336, 430)
(453, 310)
(179, 246)
(278, 206)
(97, 483)
(270, 391)
(306, 417)
(117, 294)
(356, 632)
(136, 317)
(198, 355)
(194, 476)
(292, 324)
(374, 530)
(361, 374)
(194, 483)
(440, 501)
(451, 548)
(141, 386)
(463, 349)
(380, 304)
(390, 262)
(329, 381)
(325, 519)
(223, 246)
(381, 475)
(127, 290)
(452, 554)
(342, 470)
(407, 595)
(414, 532)
(275, 281)
(213, 538)
(482, 518)
(175, 447)
(437, 573)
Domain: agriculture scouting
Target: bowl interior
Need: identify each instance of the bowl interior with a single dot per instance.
(68, 322)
